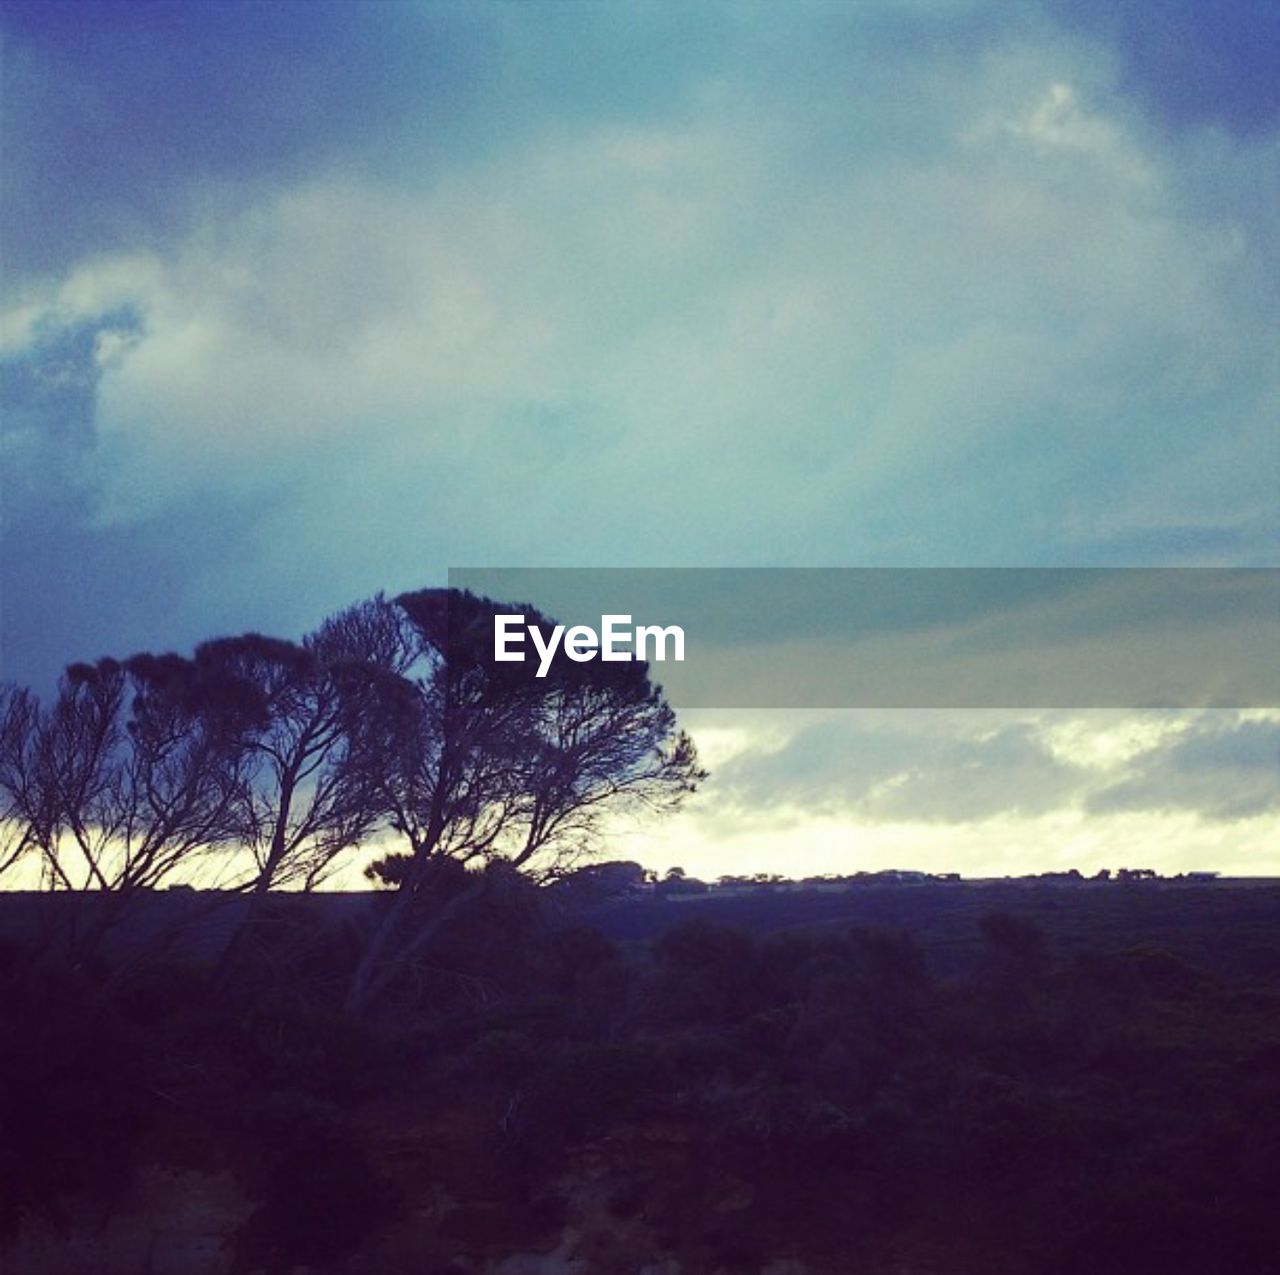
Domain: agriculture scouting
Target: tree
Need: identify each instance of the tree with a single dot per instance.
(504, 763)
(484, 760)
(599, 881)
(308, 798)
(132, 774)
(311, 795)
(21, 821)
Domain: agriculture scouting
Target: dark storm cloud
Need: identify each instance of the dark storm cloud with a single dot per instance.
(436, 283)
(1192, 63)
(124, 123)
(48, 407)
(124, 120)
(70, 587)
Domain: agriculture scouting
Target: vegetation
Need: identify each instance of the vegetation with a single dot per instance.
(260, 763)
(825, 1093)
(1059, 1075)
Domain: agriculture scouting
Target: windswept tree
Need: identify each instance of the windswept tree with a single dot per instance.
(272, 760)
(309, 795)
(485, 761)
(131, 777)
(21, 817)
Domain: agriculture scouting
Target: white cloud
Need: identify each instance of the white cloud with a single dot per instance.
(864, 791)
(919, 314)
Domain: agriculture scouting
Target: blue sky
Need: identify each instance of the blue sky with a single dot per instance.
(305, 300)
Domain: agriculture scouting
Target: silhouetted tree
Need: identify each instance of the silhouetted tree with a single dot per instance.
(487, 760)
(22, 818)
(599, 881)
(132, 774)
(309, 799)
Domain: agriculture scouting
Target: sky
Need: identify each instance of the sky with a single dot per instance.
(306, 300)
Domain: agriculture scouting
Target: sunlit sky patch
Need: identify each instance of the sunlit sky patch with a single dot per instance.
(305, 300)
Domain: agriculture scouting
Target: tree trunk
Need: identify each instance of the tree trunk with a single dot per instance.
(262, 885)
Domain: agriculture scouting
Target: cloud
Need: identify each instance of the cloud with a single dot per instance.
(1191, 65)
(419, 286)
(48, 407)
(1224, 771)
(987, 794)
(918, 766)
(73, 587)
(127, 125)
(904, 321)
(949, 767)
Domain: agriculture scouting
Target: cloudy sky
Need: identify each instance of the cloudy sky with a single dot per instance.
(305, 300)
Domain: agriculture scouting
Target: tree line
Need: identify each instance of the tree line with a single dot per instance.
(258, 764)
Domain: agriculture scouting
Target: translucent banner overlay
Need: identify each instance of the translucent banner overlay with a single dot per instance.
(933, 638)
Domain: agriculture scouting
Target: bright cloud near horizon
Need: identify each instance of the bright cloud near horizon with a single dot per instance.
(306, 300)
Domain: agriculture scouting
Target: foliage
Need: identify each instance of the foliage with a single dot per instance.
(261, 763)
(1100, 1106)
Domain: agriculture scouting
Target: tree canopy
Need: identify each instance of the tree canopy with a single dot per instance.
(260, 763)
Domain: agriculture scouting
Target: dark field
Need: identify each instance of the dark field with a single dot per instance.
(948, 1077)
(1231, 927)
